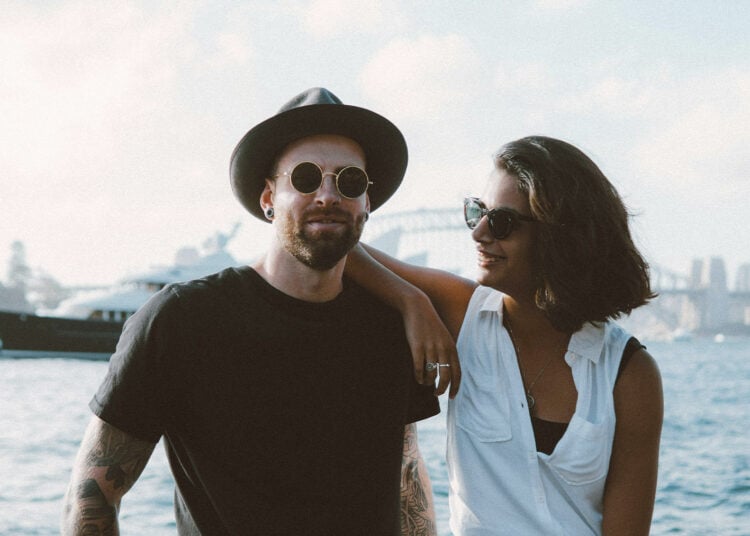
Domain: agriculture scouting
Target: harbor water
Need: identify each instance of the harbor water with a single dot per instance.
(704, 476)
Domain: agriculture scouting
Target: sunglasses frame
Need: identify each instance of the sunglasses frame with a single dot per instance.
(512, 217)
(323, 176)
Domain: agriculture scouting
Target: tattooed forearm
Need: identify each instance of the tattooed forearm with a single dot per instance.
(108, 464)
(87, 512)
(417, 515)
(417, 511)
(96, 516)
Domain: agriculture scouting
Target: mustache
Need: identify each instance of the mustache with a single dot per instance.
(328, 213)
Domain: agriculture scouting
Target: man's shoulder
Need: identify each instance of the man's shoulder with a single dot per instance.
(226, 281)
(360, 294)
(209, 293)
(365, 304)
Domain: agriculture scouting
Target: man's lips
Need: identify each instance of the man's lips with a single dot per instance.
(327, 219)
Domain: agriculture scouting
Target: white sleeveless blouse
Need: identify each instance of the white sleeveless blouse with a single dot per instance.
(499, 483)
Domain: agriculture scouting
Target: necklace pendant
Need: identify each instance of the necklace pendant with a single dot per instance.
(530, 400)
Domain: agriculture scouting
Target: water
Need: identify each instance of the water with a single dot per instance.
(704, 482)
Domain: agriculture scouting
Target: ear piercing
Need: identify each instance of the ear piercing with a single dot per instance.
(269, 213)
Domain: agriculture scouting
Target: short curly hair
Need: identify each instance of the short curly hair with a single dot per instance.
(587, 267)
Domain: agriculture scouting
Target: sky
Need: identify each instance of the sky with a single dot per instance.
(117, 119)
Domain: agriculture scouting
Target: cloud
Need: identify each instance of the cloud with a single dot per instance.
(558, 5)
(612, 95)
(80, 76)
(692, 130)
(329, 18)
(522, 79)
(699, 134)
(422, 77)
(523, 91)
(232, 49)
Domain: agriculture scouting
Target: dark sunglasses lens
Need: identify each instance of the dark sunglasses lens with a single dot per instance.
(472, 213)
(501, 224)
(306, 177)
(352, 182)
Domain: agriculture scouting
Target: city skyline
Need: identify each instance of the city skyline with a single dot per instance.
(711, 270)
(706, 301)
(737, 277)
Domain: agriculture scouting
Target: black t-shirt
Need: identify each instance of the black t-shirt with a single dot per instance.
(279, 416)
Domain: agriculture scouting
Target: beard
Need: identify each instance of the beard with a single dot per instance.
(320, 250)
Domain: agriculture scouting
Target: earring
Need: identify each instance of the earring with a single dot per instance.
(269, 213)
(367, 216)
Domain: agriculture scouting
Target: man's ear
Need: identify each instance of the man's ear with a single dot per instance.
(266, 199)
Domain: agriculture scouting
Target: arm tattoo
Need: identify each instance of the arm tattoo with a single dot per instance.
(110, 461)
(97, 517)
(123, 457)
(417, 512)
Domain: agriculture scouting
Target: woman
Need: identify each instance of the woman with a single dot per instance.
(556, 427)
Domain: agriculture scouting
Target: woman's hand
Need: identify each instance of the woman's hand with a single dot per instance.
(432, 347)
(410, 289)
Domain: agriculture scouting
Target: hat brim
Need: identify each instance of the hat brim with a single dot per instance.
(384, 146)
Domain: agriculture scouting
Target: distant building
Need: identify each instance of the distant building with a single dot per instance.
(717, 302)
(742, 280)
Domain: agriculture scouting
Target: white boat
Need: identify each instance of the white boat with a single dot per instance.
(121, 301)
(88, 325)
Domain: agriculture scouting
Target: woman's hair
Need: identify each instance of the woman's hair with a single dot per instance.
(586, 265)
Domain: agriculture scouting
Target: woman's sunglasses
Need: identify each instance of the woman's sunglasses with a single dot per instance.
(502, 220)
(307, 177)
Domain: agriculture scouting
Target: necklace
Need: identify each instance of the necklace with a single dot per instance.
(529, 397)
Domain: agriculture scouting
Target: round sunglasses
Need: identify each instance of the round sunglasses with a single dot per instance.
(503, 221)
(307, 177)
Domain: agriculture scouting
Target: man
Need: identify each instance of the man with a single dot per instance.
(284, 392)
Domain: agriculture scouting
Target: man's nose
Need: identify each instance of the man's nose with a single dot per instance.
(328, 192)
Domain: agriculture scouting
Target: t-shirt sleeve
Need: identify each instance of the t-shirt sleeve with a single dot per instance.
(423, 402)
(134, 395)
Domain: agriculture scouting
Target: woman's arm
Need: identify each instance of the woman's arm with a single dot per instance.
(631, 481)
(413, 291)
(449, 293)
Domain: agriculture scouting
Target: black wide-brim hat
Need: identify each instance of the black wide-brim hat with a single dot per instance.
(312, 112)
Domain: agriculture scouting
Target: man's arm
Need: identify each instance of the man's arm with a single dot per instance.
(417, 509)
(109, 462)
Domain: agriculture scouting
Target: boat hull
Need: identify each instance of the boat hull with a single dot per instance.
(24, 335)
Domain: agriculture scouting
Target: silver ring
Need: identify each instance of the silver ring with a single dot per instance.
(429, 367)
(443, 364)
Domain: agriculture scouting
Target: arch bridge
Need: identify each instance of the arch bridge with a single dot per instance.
(439, 238)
